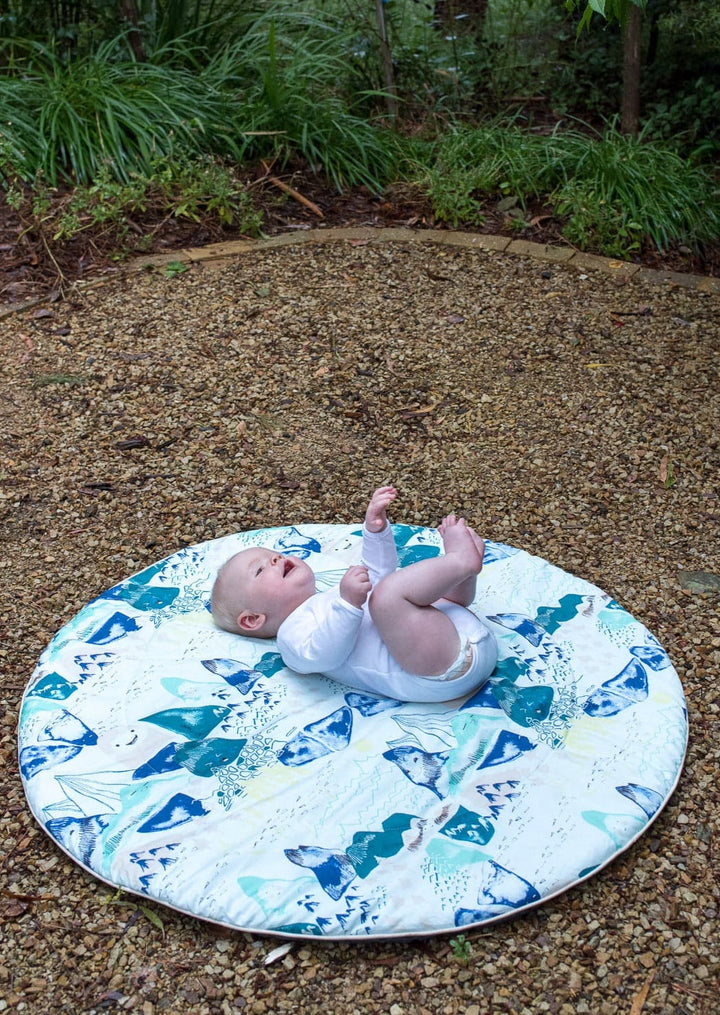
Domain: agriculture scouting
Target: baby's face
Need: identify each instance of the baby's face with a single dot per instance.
(269, 583)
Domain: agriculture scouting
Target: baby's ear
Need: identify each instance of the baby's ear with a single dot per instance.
(250, 622)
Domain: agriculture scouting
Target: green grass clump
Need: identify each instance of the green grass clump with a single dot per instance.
(273, 91)
(70, 121)
(612, 190)
(283, 74)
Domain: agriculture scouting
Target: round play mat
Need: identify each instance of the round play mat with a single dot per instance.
(187, 765)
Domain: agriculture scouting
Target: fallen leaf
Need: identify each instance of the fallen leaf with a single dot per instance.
(278, 953)
(410, 411)
(15, 908)
(537, 219)
(641, 996)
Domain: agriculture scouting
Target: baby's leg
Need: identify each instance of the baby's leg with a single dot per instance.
(421, 639)
(464, 593)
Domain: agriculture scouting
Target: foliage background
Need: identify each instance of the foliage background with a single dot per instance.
(131, 102)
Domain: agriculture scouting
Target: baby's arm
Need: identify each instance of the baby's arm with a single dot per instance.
(320, 635)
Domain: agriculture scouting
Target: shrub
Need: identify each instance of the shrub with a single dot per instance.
(612, 190)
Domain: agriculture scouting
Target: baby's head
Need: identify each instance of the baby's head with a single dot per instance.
(257, 589)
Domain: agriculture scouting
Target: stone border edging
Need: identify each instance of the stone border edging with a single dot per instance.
(219, 252)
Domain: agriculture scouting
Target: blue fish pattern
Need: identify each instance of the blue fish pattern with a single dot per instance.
(648, 800)
(182, 763)
(179, 810)
(235, 673)
(325, 736)
(422, 767)
(627, 688)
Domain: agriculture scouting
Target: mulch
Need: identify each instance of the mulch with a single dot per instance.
(574, 415)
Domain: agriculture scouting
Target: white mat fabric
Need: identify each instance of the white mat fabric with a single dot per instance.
(187, 765)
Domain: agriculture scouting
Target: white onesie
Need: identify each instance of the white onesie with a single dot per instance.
(328, 635)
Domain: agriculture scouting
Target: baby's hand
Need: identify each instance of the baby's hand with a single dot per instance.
(376, 516)
(355, 585)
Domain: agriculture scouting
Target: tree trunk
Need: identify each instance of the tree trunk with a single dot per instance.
(387, 64)
(128, 10)
(630, 113)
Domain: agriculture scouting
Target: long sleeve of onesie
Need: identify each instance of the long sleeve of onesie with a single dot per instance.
(379, 554)
(321, 633)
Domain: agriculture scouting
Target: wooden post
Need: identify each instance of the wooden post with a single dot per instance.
(630, 114)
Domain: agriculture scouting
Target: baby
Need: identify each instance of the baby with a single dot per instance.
(405, 633)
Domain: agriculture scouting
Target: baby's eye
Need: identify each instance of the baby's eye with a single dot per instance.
(260, 568)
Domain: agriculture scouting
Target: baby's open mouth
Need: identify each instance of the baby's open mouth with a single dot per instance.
(287, 568)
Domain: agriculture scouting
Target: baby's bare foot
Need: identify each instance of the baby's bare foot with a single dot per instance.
(479, 543)
(459, 538)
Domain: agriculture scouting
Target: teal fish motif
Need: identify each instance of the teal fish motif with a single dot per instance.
(193, 723)
(467, 826)
(204, 757)
(53, 686)
(524, 705)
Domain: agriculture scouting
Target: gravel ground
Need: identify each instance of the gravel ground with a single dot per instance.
(571, 415)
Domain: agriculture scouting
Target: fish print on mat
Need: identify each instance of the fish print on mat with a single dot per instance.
(188, 765)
